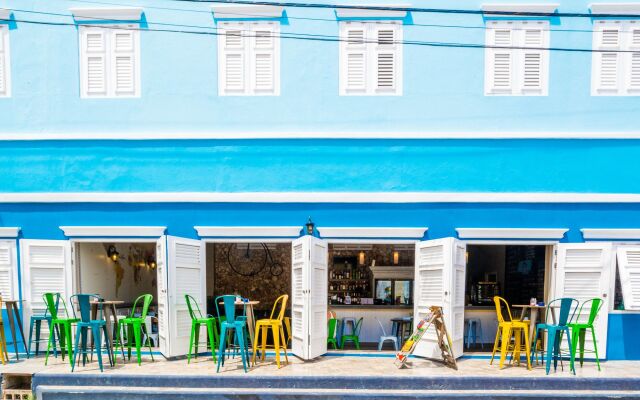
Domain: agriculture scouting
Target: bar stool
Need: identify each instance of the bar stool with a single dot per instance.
(474, 328)
(36, 323)
(345, 322)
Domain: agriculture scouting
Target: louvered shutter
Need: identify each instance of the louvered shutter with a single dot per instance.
(94, 61)
(629, 270)
(232, 60)
(186, 275)
(500, 61)
(607, 63)
(532, 60)
(440, 281)
(46, 267)
(123, 62)
(4, 67)
(583, 272)
(8, 270)
(263, 43)
(386, 56)
(354, 58)
(634, 62)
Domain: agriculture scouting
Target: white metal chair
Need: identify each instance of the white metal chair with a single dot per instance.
(386, 337)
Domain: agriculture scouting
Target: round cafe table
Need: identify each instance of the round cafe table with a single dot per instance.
(108, 312)
(250, 316)
(13, 314)
(399, 326)
(534, 315)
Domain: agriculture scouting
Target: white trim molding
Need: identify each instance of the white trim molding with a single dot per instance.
(113, 231)
(372, 13)
(249, 231)
(5, 13)
(372, 232)
(317, 197)
(588, 233)
(9, 232)
(511, 233)
(543, 8)
(107, 14)
(244, 11)
(615, 8)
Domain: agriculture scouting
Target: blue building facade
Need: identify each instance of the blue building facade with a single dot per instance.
(196, 120)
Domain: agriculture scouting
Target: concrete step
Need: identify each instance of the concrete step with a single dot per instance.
(56, 392)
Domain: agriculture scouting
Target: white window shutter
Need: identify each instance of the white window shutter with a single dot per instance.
(4, 76)
(606, 64)
(354, 59)
(264, 59)
(94, 61)
(385, 42)
(232, 44)
(8, 270)
(123, 62)
(500, 61)
(634, 59)
(532, 60)
(629, 270)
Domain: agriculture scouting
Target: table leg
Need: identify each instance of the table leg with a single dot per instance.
(12, 328)
(250, 322)
(110, 312)
(532, 328)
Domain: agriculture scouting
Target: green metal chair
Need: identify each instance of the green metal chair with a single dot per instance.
(134, 325)
(198, 320)
(332, 329)
(353, 336)
(61, 325)
(579, 330)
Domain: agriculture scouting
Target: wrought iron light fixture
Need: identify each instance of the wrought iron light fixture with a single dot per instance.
(310, 226)
(112, 253)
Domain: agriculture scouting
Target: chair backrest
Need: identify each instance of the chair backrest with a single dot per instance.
(595, 306)
(332, 324)
(384, 333)
(52, 301)
(229, 304)
(84, 304)
(194, 308)
(0, 309)
(283, 307)
(356, 330)
(146, 300)
(568, 308)
(500, 302)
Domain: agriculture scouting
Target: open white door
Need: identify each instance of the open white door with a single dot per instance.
(8, 270)
(583, 272)
(629, 270)
(46, 267)
(187, 275)
(309, 277)
(440, 281)
(163, 301)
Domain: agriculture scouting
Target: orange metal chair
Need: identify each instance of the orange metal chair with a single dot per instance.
(277, 329)
(508, 329)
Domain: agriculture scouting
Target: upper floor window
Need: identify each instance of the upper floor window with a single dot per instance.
(5, 69)
(249, 58)
(109, 61)
(516, 59)
(370, 58)
(616, 61)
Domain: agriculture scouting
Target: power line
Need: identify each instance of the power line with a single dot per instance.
(329, 38)
(414, 9)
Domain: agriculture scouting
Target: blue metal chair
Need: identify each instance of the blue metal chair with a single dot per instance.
(95, 325)
(232, 324)
(36, 323)
(555, 331)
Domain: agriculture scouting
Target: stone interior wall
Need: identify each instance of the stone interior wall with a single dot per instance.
(234, 270)
(381, 253)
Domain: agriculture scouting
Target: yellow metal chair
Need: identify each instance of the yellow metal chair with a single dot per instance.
(4, 356)
(287, 325)
(277, 329)
(508, 329)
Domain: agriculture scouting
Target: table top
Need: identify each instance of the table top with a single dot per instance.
(11, 301)
(402, 319)
(108, 302)
(239, 303)
(527, 306)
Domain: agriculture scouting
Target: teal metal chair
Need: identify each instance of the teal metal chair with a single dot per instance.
(197, 320)
(353, 336)
(579, 330)
(232, 325)
(555, 331)
(96, 326)
(135, 323)
(36, 323)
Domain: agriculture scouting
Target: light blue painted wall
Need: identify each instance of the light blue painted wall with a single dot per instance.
(443, 87)
(600, 166)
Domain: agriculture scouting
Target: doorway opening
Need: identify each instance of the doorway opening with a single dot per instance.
(373, 283)
(518, 273)
(120, 272)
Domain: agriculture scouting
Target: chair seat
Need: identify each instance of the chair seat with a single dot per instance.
(579, 326)
(267, 321)
(203, 320)
(93, 322)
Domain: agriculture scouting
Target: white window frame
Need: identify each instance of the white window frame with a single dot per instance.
(517, 29)
(624, 58)
(371, 48)
(249, 50)
(109, 32)
(4, 50)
